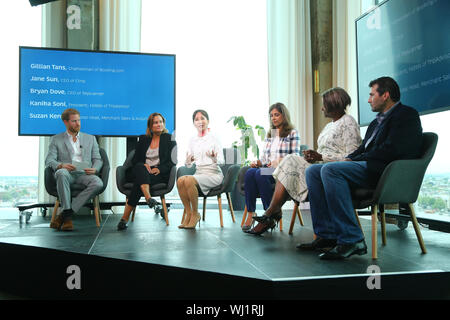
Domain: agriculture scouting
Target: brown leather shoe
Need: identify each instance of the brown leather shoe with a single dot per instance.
(57, 223)
(67, 225)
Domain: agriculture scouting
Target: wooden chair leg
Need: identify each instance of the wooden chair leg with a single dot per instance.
(219, 200)
(417, 228)
(383, 225)
(133, 212)
(300, 217)
(230, 206)
(204, 208)
(359, 221)
(244, 216)
(374, 231)
(166, 213)
(55, 209)
(281, 223)
(295, 212)
(97, 210)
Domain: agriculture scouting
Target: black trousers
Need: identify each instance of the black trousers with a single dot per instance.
(140, 175)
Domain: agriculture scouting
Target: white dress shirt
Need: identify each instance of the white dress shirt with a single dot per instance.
(77, 156)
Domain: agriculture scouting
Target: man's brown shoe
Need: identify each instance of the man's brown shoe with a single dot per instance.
(57, 223)
(67, 225)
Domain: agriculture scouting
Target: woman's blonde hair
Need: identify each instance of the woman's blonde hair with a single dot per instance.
(150, 120)
(286, 125)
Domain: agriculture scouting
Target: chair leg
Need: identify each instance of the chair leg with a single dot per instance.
(166, 214)
(296, 212)
(230, 205)
(374, 231)
(204, 208)
(417, 228)
(359, 221)
(281, 223)
(383, 225)
(97, 210)
(300, 217)
(244, 216)
(133, 212)
(55, 209)
(219, 200)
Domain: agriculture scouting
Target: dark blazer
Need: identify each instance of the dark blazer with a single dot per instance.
(167, 153)
(400, 137)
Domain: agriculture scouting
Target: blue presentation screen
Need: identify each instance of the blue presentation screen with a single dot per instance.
(409, 41)
(114, 92)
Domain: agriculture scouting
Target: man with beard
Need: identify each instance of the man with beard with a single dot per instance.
(75, 158)
(395, 134)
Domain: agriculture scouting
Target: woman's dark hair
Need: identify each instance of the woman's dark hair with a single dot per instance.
(387, 84)
(203, 112)
(336, 100)
(150, 120)
(286, 125)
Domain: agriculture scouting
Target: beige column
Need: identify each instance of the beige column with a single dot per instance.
(322, 57)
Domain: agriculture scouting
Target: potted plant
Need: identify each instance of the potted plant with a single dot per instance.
(247, 139)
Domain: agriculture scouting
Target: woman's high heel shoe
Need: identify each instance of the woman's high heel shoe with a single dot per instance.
(262, 227)
(246, 227)
(195, 218)
(151, 202)
(266, 218)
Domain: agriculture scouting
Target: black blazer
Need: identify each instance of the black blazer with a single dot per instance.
(167, 153)
(400, 137)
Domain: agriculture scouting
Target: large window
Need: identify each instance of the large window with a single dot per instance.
(21, 25)
(221, 60)
(434, 198)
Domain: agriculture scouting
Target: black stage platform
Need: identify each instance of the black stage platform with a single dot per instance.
(153, 261)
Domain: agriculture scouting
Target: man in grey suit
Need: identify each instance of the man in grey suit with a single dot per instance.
(75, 158)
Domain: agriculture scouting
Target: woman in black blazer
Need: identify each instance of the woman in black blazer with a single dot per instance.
(154, 157)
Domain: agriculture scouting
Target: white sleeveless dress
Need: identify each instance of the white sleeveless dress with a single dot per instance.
(208, 173)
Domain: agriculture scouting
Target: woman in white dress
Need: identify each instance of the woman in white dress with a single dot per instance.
(338, 139)
(206, 152)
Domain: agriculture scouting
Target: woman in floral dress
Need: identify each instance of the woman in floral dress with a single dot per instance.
(338, 139)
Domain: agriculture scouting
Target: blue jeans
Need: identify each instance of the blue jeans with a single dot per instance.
(258, 185)
(332, 211)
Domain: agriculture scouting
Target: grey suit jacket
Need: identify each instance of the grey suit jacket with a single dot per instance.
(61, 151)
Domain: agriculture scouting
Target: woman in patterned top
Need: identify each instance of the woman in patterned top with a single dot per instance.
(282, 140)
(339, 138)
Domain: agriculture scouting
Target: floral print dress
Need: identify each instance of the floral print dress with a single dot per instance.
(337, 140)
